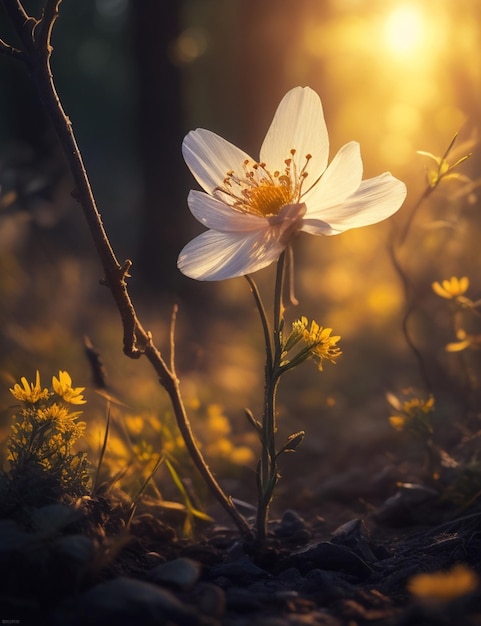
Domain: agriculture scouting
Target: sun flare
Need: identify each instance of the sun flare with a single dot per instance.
(405, 30)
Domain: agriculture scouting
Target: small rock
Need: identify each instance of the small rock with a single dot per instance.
(290, 523)
(209, 599)
(325, 587)
(243, 571)
(329, 556)
(354, 535)
(293, 527)
(52, 518)
(411, 504)
(125, 601)
(78, 548)
(181, 573)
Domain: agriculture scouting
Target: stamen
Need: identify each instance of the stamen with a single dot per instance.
(262, 192)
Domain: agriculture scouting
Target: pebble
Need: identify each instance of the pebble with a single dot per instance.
(126, 601)
(242, 572)
(181, 573)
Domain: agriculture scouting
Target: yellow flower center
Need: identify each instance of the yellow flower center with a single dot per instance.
(261, 192)
(268, 199)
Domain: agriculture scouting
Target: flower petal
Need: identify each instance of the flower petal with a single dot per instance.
(217, 256)
(341, 179)
(209, 157)
(298, 124)
(375, 200)
(219, 216)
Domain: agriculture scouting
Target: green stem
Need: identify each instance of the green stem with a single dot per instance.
(268, 476)
(264, 320)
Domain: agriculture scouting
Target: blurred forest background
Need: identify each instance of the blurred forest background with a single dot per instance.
(134, 77)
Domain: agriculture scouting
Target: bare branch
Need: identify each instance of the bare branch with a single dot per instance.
(5, 48)
(22, 22)
(43, 30)
(173, 320)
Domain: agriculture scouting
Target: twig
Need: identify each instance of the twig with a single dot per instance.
(407, 288)
(173, 320)
(9, 50)
(43, 29)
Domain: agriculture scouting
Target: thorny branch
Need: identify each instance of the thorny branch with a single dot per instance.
(35, 37)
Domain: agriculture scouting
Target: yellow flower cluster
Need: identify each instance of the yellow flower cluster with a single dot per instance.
(219, 439)
(319, 344)
(62, 386)
(454, 290)
(45, 430)
(412, 413)
(30, 392)
(451, 289)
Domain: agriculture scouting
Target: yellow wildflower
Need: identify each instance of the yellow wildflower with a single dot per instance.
(319, 341)
(451, 289)
(144, 451)
(58, 413)
(134, 423)
(414, 406)
(413, 413)
(397, 422)
(464, 341)
(444, 586)
(63, 388)
(30, 392)
(217, 423)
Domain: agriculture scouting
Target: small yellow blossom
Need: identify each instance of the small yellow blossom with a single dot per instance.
(412, 413)
(63, 387)
(319, 342)
(64, 420)
(418, 405)
(134, 423)
(397, 422)
(451, 289)
(242, 455)
(465, 340)
(444, 586)
(144, 451)
(217, 423)
(30, 392)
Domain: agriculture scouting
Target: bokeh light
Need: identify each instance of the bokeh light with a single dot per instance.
(406, 31)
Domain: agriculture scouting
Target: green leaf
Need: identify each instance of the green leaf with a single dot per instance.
(430, 155)
(292, 443)
(252, 420)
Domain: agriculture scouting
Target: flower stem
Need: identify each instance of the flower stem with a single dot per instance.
(267, 470)
(264, 321)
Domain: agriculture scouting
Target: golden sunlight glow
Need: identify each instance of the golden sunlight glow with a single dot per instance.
(405, 30)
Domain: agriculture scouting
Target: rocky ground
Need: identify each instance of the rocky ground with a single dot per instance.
(79, 563)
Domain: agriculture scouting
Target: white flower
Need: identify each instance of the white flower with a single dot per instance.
(253, 208)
